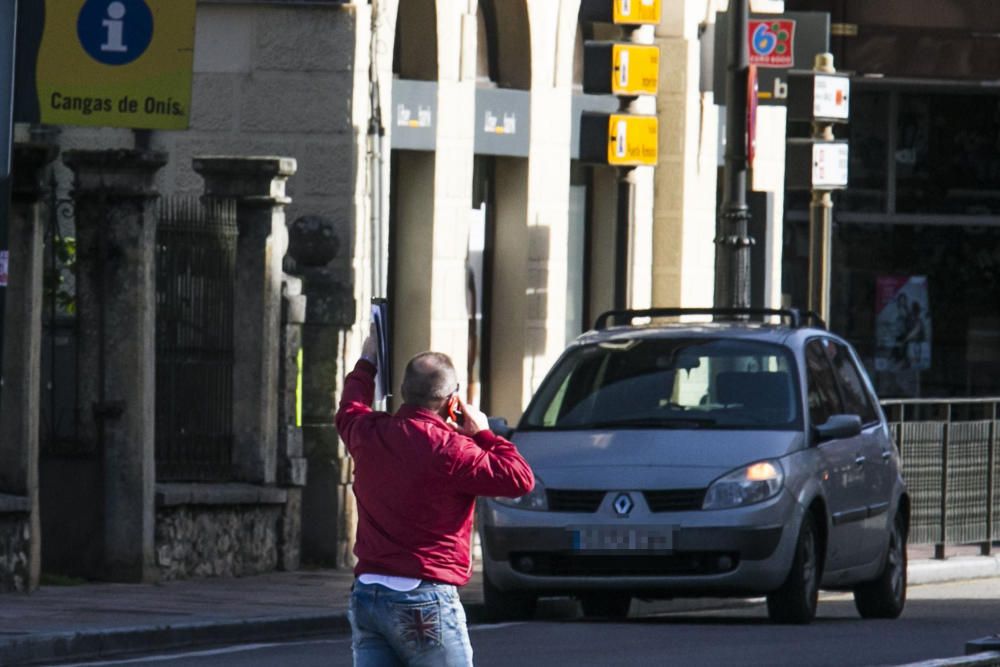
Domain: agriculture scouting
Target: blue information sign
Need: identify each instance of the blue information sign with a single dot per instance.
(115, 32)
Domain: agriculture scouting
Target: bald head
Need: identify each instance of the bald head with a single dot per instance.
(428, 380)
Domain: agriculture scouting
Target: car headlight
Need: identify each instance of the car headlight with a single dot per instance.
(753, 484)
(532, 500)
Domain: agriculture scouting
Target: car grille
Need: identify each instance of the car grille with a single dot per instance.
(674, 500)
(670, 500)
(566, 500)
(616, 565)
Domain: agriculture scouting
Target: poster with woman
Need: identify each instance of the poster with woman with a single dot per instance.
(902, 324)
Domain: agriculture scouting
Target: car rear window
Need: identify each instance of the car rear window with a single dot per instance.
(669, 383)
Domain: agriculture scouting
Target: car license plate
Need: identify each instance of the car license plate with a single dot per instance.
(623, 538)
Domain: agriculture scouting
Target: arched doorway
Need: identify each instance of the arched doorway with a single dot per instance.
(412, 182)
(498, 238)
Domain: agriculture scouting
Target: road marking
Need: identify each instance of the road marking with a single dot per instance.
(494, 626)
(242, 648)
(208, 652)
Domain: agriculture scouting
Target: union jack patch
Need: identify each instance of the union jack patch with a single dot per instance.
(420, 626)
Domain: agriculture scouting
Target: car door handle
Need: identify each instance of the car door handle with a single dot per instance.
(860, 460)
(886, 455)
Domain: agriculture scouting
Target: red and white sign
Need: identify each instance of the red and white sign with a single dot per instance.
(771, 42)
(829, 168)
(831, 97)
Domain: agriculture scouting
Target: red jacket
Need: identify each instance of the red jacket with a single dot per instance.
(416, 480)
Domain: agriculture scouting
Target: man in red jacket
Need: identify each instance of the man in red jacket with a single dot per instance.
(416, 478)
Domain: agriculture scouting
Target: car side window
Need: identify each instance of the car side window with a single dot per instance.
(824, 398)
(856, 399)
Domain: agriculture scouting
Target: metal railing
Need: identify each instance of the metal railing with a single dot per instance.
(195, 277)
(949, 453)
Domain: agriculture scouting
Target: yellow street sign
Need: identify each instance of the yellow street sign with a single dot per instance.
(636, 69)
(632, 140)
(637, 12)
(125, 63)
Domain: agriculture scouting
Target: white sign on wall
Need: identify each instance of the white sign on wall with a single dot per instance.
(831, 97)
(829, 165)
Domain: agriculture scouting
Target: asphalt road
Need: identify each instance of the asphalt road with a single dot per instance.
(937, 622)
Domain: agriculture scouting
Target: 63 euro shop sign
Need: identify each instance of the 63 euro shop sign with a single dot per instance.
(112, 63)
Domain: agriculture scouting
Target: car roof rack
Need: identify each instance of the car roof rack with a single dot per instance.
(795, 317)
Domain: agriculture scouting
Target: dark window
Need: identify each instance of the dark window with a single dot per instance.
(824, 399)
(868, 135)
(856, 399)
(946, 154)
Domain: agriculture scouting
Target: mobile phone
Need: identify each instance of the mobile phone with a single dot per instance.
(454, 412)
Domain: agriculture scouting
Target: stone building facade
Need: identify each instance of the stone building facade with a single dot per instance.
(464, 203)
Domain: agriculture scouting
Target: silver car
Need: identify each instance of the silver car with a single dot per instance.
(724, 458)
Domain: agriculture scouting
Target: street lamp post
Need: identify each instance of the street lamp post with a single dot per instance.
(732, 238)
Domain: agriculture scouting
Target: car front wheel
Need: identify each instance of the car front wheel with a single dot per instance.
(885, 596)
(795, 601)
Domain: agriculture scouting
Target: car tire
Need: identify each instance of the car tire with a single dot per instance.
(507, 605)
(606, 605)
(795, 601)
(885, 596)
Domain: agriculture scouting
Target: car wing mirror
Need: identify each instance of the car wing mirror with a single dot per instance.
(500, 426)
(839, 426)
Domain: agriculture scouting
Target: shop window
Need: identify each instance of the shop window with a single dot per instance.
(950, 345)
(947, 154)
(868, 134)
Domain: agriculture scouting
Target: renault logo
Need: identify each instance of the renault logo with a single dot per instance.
(623, 504)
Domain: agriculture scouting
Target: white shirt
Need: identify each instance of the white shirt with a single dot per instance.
(401, 584)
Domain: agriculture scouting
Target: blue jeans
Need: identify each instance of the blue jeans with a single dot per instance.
(420, 628)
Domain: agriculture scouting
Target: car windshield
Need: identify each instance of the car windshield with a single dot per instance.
(669, 383)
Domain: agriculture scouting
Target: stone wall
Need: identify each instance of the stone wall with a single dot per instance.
(15, 535)
(225, 530)
(210, 541)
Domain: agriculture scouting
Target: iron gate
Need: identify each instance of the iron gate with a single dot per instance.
(195, 274)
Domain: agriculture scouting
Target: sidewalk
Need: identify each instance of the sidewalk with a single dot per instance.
(98, 620)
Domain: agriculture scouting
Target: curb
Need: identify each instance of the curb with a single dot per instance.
(92, 644)
(955, 568)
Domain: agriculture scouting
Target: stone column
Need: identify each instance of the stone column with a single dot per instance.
(116, 295)
(291, 464)
(329, 314)
(257, 184)
(19, 408)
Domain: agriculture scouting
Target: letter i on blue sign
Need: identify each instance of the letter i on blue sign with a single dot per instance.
(115, 32)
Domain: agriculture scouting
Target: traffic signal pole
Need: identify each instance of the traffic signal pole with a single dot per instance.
(821, 219)
(732, 239)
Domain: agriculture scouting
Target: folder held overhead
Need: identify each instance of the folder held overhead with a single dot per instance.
(380, 318)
